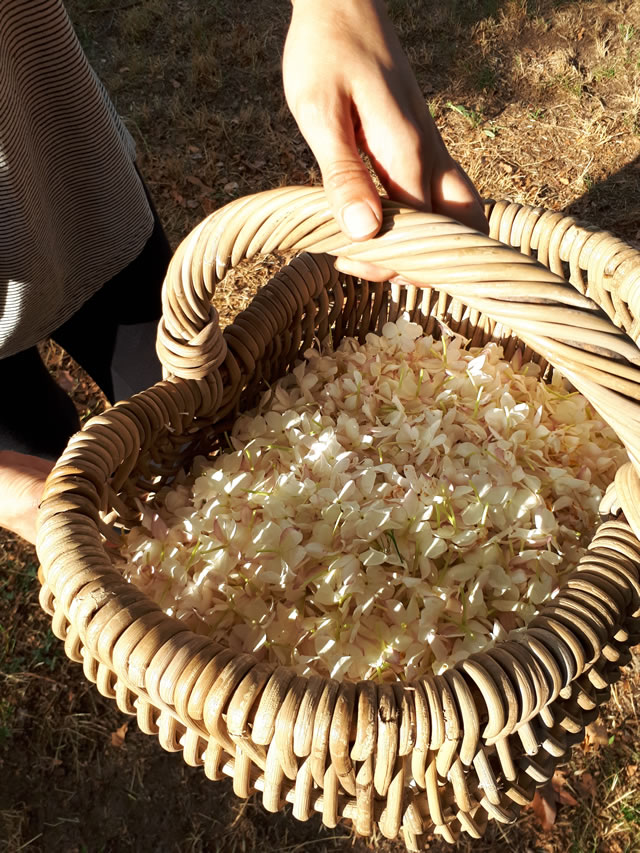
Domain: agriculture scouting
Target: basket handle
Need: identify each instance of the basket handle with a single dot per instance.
(555, 319)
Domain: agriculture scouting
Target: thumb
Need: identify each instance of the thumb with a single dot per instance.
(350, 190)
(453, 194)
(352, 197)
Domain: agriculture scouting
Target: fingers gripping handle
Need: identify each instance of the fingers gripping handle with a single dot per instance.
(430, 250)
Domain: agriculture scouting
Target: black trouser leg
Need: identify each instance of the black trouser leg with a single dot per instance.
(112, 337)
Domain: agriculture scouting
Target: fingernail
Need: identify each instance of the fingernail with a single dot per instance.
(359, 220)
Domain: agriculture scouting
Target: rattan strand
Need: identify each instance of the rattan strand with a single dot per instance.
(441, 754)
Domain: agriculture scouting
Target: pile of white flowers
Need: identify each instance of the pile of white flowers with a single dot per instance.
(389, 508)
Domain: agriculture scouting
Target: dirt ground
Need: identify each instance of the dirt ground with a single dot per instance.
(540, 102)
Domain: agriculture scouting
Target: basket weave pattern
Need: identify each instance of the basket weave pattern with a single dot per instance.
(443, 753)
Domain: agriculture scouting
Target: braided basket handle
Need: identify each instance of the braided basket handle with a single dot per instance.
(554, 318)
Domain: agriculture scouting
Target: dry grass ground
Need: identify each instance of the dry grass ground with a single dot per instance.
(539, 100)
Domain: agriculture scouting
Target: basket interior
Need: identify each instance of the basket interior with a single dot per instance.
(344, 307)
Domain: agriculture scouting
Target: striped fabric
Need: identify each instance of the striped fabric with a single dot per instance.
(73, 212)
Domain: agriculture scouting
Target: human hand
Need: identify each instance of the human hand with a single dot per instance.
(348, 83)
(22, 479)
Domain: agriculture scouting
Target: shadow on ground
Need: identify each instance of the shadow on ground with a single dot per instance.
(614, 203)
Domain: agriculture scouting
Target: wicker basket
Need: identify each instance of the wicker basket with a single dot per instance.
(441, 754)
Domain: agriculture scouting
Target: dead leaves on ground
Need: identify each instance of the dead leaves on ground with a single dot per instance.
(549, 796)
(587, 784)
(117, 737)
(544, 807)
(560, 790)
(596, 734)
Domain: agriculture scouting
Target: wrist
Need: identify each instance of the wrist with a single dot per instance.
(329, 6)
